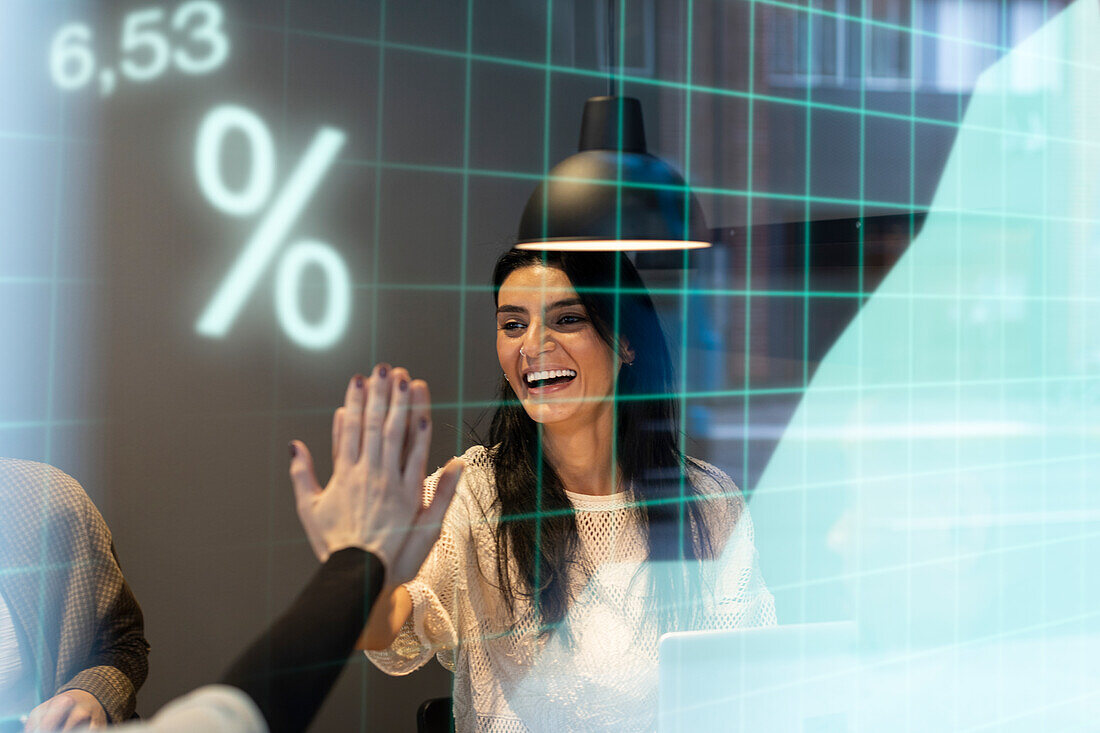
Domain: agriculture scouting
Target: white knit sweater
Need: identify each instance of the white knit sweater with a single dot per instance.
(602, 675)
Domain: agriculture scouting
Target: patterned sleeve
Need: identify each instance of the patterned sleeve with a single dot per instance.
(118, 658)
(741, 599)
(430, 628)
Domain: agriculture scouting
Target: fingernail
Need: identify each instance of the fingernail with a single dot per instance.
(423, 423)
(359, 382)
(382, 371)
(403, 385)
(293, 450)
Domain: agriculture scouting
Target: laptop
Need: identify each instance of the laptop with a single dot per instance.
(801, 678)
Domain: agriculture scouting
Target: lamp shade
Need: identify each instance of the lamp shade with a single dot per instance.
(612, 194)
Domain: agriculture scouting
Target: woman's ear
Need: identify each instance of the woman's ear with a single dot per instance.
(626, 354)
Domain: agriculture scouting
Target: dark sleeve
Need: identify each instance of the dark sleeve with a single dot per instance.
(290, 669)
(118, 661)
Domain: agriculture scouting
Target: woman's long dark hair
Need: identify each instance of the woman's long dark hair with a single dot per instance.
(538, 531)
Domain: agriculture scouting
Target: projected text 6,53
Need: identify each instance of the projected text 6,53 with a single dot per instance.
(195, 43)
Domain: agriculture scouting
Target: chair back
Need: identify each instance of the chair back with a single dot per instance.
(435, 716)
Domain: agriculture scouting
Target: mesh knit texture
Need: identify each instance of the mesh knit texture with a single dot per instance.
(600, 672)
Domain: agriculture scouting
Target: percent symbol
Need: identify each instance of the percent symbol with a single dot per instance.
(269, 236)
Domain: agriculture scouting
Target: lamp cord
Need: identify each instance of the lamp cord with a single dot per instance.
(612, 58)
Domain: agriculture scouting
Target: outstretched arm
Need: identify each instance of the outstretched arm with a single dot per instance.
(368, 525)
(370, 528)
(288, 673)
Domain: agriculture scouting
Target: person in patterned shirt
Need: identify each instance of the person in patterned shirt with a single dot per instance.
(72, 644)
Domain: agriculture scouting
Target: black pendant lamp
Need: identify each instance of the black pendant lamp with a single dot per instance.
(612, 195)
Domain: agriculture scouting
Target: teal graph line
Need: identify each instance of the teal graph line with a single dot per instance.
(769, 293)
(379, 121)
(749, 211)
(699, 189)
(666, 84)
(685, 273)
(862, 21)
(693, 395)
(464, 234)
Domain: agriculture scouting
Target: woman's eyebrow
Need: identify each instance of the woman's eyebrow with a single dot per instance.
(564, 303)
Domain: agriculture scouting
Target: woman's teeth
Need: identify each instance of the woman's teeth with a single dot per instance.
(543, 376)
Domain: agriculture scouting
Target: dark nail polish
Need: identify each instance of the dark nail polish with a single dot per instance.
(423, 423)
(359, 382)
(382, 372)
(293, 450)
(403, 386)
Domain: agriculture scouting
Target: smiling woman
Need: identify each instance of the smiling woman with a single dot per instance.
(552, 356)
(582, 532)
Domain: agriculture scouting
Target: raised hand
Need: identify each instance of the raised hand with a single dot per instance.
(373, 501)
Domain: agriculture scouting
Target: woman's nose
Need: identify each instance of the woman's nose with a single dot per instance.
(537, 341)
